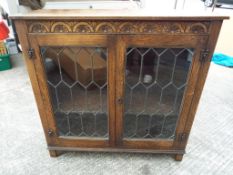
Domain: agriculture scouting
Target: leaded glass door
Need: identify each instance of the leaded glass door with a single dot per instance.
(75, 86)
(153, 98)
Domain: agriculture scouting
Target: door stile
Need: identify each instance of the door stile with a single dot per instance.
(120, 70)
(180, 135)
(112, 45)
(40, 72)
(26, 45)
(208, 44)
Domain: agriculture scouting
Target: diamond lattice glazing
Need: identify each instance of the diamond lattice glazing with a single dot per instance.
(155, 82)
(77, 81)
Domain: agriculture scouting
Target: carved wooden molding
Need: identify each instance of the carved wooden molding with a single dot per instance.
(101, 27)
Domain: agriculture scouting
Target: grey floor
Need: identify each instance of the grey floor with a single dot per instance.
(23, 147)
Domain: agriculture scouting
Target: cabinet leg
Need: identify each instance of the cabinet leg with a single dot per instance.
(54, 153)
(178, 157)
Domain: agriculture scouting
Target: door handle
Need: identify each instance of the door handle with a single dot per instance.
(31, 53)
(120, 101)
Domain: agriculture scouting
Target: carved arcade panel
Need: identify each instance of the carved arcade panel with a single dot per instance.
(118, 27)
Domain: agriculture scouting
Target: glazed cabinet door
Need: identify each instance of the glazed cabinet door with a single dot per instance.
(76, 79)
(156, 80)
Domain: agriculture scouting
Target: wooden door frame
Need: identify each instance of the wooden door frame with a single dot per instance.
(55, 140)
(176, 41)
(209, 44)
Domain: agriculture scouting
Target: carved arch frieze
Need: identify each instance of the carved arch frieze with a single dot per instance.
(121, 27)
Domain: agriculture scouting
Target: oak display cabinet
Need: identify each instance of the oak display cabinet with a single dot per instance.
(117, 81)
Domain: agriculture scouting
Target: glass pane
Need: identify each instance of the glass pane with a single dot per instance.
(77, 81)
(155, 81)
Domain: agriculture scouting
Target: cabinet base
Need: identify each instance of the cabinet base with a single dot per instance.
(178, 157)
(56, 151)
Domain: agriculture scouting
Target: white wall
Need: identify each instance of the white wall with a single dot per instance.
(3, 3)
(12, 7)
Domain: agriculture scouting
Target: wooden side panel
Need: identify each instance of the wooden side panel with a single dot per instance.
(202, 74)
(189, 93)
(23, 37)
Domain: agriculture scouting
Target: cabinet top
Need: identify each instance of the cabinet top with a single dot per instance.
(95, 14)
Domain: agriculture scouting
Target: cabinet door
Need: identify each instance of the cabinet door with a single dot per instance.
(75, 75)
(155, 84)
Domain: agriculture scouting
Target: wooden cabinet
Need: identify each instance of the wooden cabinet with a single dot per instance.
(122, 82)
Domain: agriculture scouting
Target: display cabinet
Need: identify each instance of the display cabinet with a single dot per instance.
(117, 81)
